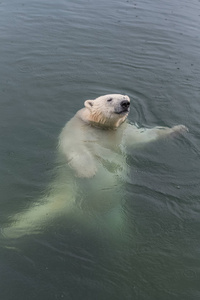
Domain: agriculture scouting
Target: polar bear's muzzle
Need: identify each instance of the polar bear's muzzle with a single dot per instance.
(124, 107)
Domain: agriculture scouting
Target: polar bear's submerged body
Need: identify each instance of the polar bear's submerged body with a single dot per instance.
(92, 149)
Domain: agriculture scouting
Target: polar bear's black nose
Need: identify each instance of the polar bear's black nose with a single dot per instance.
(125, 104)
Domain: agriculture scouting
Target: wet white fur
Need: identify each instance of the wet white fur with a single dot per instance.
(92, 146)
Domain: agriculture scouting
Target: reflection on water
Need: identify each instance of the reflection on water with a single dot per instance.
(53, 57)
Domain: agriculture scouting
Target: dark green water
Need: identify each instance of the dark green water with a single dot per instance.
(55, 55)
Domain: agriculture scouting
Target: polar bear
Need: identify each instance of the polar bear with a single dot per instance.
(92, 165)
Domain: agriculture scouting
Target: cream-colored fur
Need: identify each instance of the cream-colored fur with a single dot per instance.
(92, 148)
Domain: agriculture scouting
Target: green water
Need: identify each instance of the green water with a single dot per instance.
(55, 55)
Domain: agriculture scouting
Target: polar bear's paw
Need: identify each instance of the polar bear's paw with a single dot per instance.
(179, 129)
(88, 172)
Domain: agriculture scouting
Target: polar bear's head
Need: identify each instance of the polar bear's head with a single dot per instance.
(109, 110)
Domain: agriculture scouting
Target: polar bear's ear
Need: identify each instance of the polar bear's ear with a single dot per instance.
(89, 104)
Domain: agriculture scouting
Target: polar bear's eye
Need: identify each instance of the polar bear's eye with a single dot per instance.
(109, 100)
